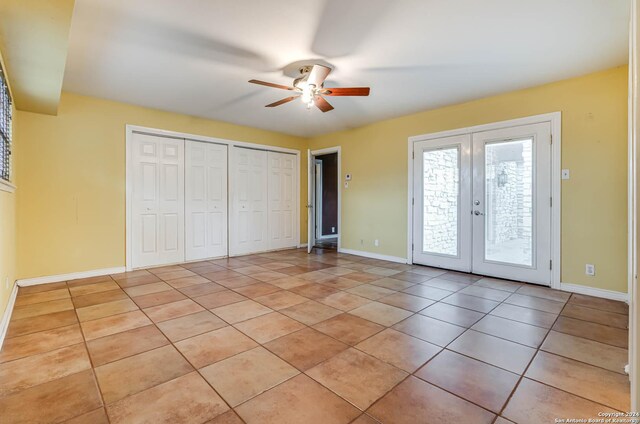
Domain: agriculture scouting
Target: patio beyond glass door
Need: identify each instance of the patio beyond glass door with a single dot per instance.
(482, 203)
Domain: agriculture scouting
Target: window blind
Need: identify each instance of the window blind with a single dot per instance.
(5, 128)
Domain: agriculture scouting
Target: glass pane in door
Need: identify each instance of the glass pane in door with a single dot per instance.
(509, 202)
(441, 178)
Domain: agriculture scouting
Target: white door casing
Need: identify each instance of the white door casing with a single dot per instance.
(157, 205)
(282, 200)
(249, 203)
(205, 200)
(318, 199)
(311, 215)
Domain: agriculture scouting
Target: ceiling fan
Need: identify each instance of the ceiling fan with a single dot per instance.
(309, 87)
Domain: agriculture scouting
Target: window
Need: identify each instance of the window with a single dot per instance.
(5, 128)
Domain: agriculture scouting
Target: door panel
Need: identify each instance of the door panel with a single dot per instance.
(206, 200)
(157, 200)
(442, 224)
(512, 200)
(149, 233)
(248, 188)
(282, 200)
(171, 232)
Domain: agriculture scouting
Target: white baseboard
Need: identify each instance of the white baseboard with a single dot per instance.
(592, 291)
(66, 277)
(6, 317)
(301, 245)
(396, 259)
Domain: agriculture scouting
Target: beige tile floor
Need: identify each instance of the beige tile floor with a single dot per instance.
(287, 337)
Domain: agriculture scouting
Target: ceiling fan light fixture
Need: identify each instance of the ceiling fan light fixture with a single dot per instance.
(309, 86)
(308, 93)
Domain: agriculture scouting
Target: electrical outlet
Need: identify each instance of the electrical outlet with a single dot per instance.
(376, 243)
(361, 242)
(333, 229)
(590, 269)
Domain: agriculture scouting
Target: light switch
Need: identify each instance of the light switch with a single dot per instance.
(565, 174)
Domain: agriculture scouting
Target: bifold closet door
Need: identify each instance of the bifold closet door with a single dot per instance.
(205, 200)
(157, 208)
(283, 200)
(248, 187)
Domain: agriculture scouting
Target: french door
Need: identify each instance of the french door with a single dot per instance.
(482, 203)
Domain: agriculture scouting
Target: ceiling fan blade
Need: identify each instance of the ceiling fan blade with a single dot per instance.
(322, 104)
(270, 84)
(346, 91)
(283, 101)
(318, 74)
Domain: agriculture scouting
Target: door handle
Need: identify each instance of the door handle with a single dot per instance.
(476, 213)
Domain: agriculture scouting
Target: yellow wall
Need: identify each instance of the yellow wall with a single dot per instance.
(8, 231)
(7, 243)
(594, 148)
(71, 200)
(71, 203)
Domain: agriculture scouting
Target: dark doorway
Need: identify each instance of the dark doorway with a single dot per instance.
(326, 200)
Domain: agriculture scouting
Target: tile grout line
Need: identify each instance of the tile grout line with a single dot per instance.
(184, 357)
(93, 369)
(343, 312)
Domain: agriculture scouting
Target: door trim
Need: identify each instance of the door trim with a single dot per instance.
(319, 152)
(318, 199)
(633, 368)
(130, 129)
(555, 119)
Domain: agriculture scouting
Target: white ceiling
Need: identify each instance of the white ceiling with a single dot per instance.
(196, 56)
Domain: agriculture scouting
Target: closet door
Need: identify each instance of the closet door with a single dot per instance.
(206, 200)
(282, 200)
(249, 207)
(157, 200)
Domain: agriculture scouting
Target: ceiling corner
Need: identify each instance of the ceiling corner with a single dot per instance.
(34, 38)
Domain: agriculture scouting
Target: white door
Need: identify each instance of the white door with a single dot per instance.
(311, 216)
(282, 200)
(442, 195)
(482, 203)
(249, 206)
(512, 203)
(157, 208)
(206, 200)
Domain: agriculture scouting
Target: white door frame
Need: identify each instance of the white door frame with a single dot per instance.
(312, 155)
(555, 118)
(318, 199)
(130, 129)
(633, 210)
